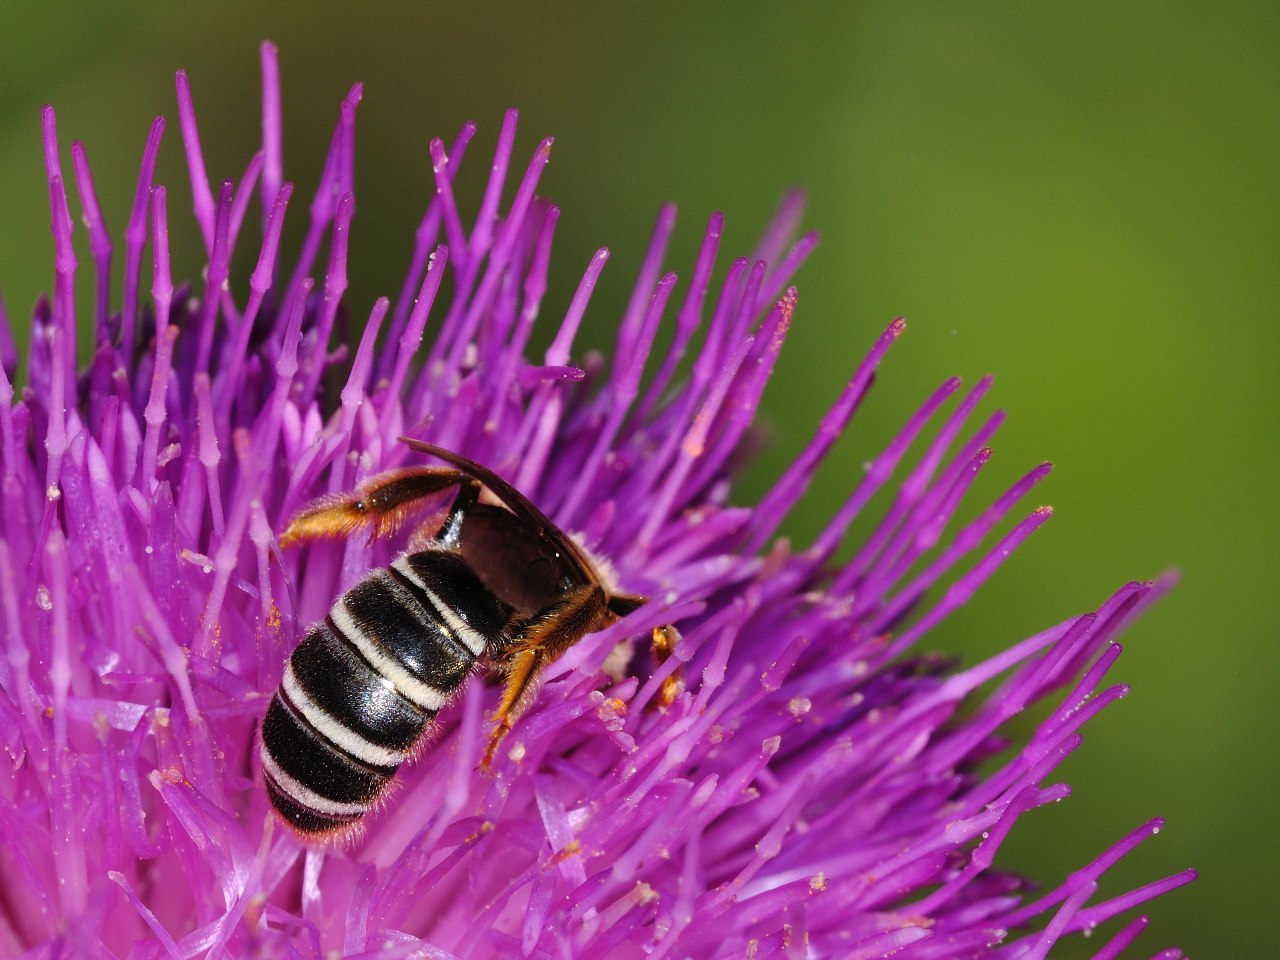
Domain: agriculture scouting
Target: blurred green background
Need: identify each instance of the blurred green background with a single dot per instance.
(1079, 198)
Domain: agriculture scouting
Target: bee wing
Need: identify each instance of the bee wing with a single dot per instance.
(581, 569)
(512, 560)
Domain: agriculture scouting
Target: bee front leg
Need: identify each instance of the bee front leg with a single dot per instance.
(663, 646)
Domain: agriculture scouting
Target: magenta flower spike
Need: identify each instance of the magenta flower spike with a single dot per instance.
(799, 778)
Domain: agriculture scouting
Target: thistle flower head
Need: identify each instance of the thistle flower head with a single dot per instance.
(819, 787)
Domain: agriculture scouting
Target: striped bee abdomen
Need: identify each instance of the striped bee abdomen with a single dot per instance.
(362, 687)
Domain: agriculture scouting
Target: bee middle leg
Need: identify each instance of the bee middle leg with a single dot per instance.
(537, 643)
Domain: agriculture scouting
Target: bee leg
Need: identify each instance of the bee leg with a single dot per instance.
(380, 505)
(664, 643)
(539, 641)
(621, 604)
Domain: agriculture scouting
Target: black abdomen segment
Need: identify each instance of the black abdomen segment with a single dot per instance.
(364, 684)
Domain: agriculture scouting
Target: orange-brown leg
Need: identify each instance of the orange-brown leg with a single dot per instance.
(540, 641)
(664, 643)
(380, 505)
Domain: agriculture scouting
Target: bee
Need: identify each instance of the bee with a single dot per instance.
(493, 583)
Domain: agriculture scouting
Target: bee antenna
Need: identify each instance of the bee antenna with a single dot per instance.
(621, 604)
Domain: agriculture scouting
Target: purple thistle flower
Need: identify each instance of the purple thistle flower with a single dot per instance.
(820, 788)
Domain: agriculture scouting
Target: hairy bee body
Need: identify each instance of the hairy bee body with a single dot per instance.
(494, 581)
(366, 682)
